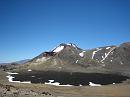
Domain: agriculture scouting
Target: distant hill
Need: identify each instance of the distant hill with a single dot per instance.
(17, 62)
(22, 61)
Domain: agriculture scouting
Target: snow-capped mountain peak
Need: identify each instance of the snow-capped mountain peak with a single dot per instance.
(62, 46)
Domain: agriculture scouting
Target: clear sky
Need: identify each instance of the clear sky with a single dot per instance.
(29, 27)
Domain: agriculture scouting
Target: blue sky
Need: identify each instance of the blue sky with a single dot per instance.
(29, 27)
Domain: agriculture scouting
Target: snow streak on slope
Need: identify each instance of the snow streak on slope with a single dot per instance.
(94, 52)
(108, 48)
(58, 49)
(106, 54)
(71, 44)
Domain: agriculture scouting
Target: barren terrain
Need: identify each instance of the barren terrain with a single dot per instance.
(8, 89)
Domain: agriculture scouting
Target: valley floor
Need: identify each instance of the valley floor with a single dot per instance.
(8, 89)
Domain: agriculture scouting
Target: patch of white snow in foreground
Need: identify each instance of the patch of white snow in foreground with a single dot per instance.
(11, 73)
(51, 82)
(80, 85)
(92, 84)
(10, 79)
(56, 84)
(29, 70)
(58, 49)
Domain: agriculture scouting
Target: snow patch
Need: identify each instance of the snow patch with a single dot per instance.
(108, 48)
(71, 44)
(106, 54)
(11, 73)
(82, 53)
(28, 82)
(29, 70)
(76, 61)
(10, 79)
(94, 52)
(80, 85)
(51, 82)
(58, 49)
(92, 84)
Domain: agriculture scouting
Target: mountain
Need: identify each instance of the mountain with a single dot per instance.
(69, 57)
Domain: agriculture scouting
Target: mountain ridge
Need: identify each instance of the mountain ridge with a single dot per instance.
(16, 62)
(69, 57)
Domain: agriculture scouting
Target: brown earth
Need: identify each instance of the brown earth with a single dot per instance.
(8, 89)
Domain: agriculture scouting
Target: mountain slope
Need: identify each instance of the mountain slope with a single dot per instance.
(69, 57)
